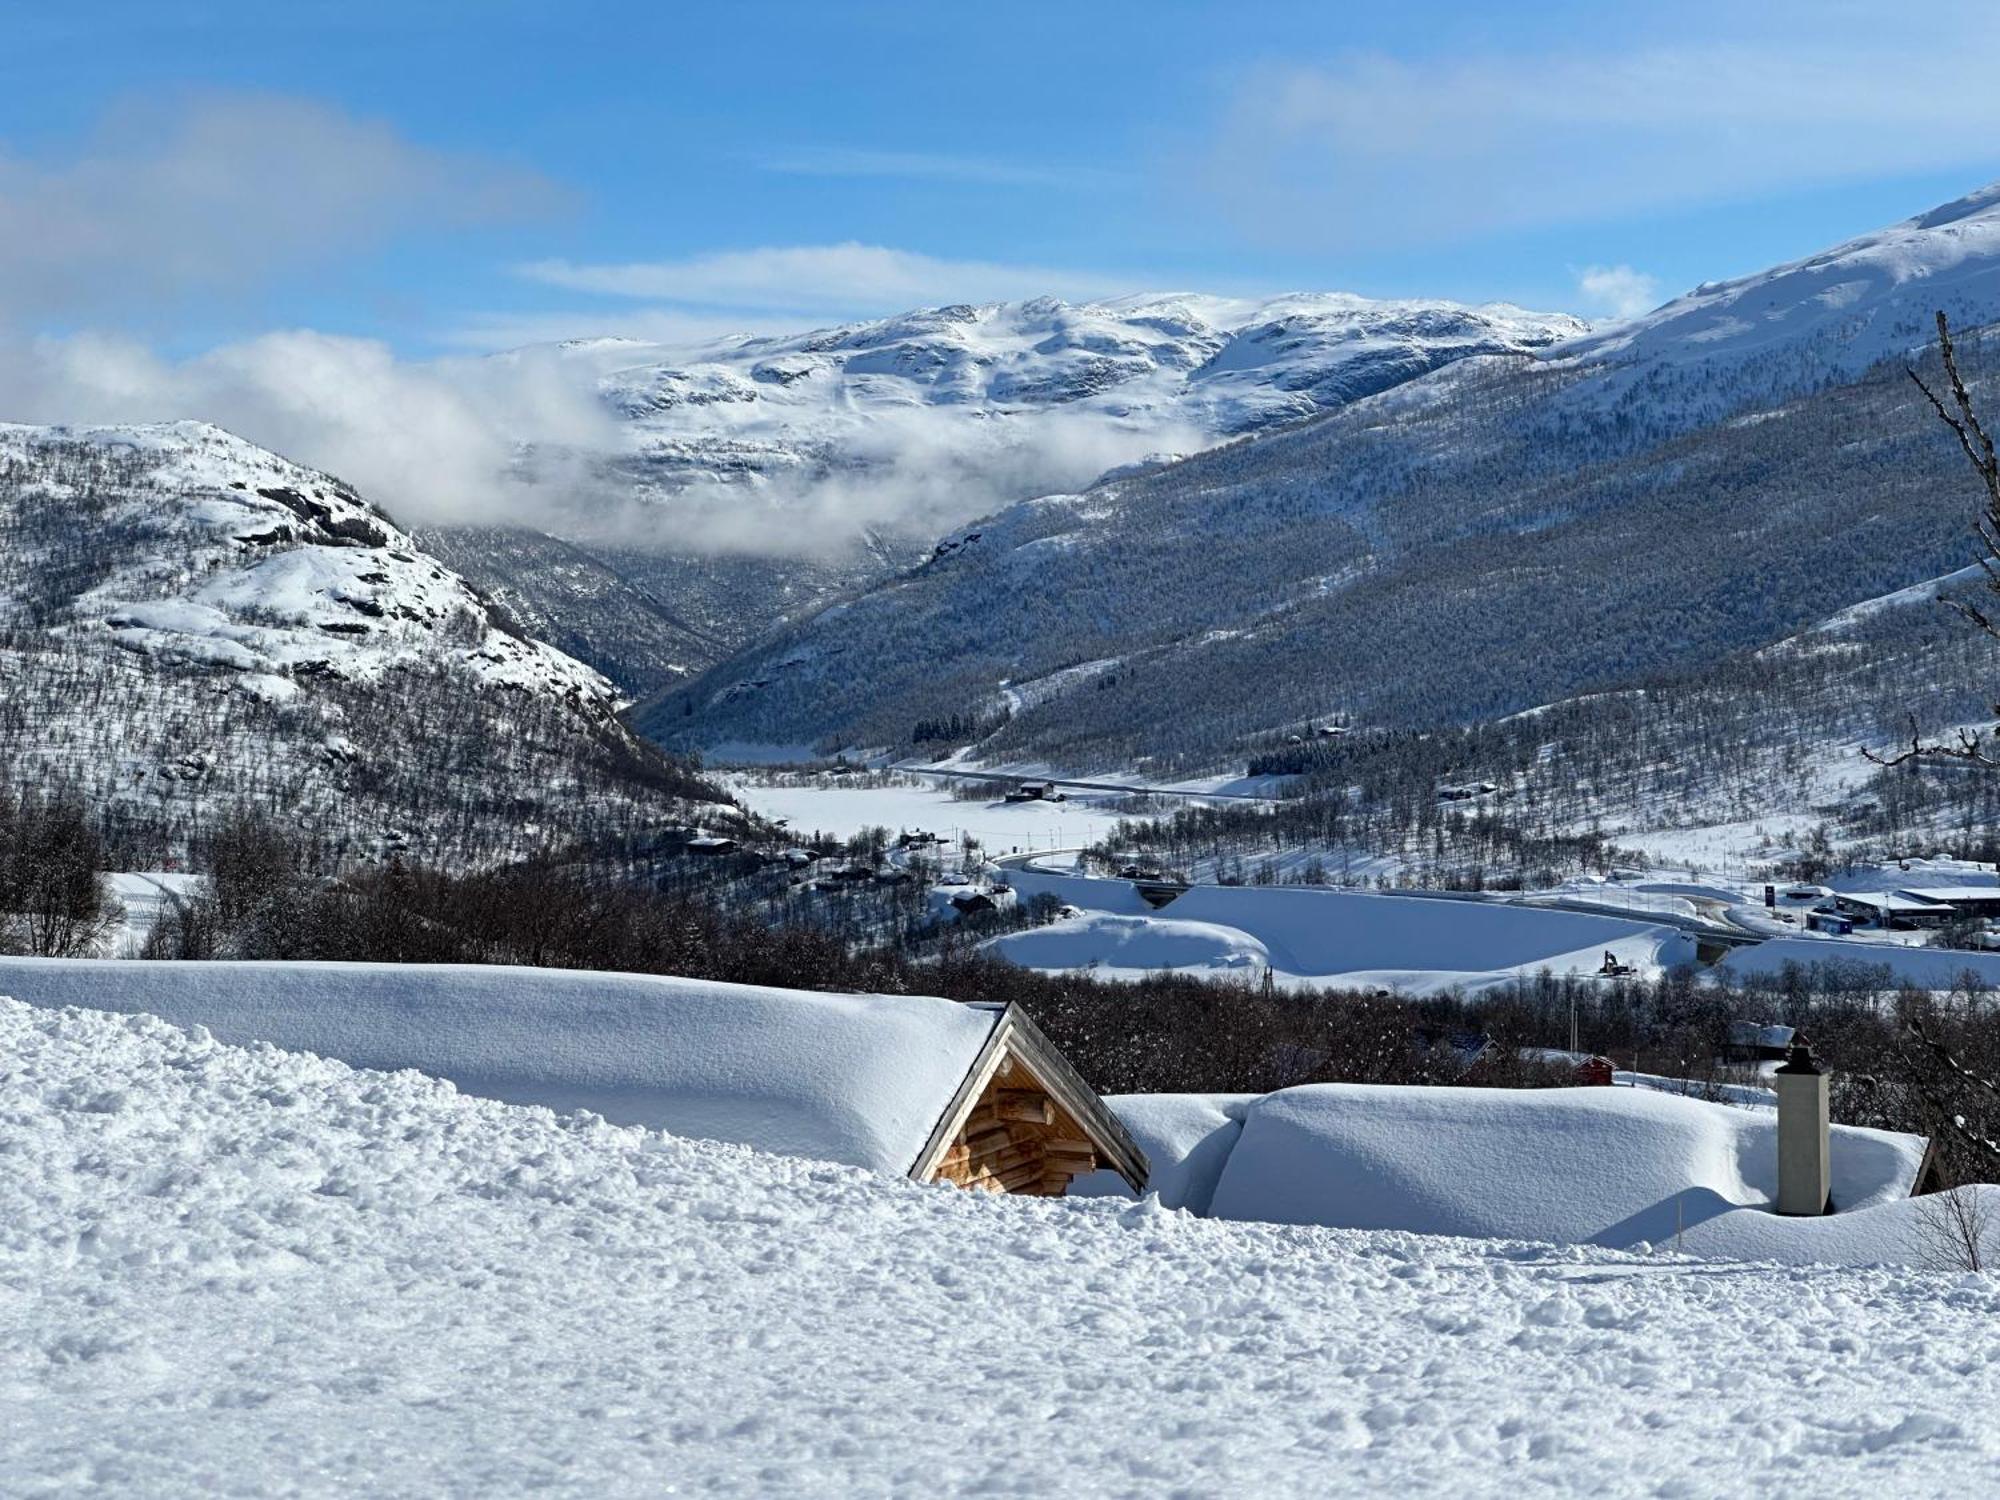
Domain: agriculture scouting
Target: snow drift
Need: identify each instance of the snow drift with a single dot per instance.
(243, 1270)
(1605, 1166)
(858, 1079)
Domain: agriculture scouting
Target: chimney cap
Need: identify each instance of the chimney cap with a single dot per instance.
(1799, 1057)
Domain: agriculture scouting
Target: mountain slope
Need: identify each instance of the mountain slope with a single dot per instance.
(753, 478)
(187, 621)
(1493, 536)
(1831, 314)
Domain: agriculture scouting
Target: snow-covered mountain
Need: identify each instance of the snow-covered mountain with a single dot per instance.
(187, 620)
(752, 478)
(1491, 536)
(1835, 313)
(1143, 367)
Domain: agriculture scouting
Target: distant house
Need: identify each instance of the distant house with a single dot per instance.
(1467, 791)
(1895, 909)
(1579, 1069)
(710, 843)
(1034, 791)
(1964, 900)
(969, 901)
(973, 1095)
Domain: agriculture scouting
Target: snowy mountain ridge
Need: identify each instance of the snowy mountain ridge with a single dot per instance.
(1486, 537)
(1833, 313)
(756, 407)
(189, 622)
(235, 559)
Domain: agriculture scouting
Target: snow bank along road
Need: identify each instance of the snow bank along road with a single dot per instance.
(248, 1271)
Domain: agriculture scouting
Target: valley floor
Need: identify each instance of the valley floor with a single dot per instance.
(241, 1270)
(1714, 877)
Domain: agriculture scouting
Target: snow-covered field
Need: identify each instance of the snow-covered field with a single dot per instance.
(1924, 968)
(1325, 937)
(1001, 827)
(242, 1271)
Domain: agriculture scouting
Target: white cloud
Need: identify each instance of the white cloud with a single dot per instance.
(1618, 290)
(444, 441)
(1372, 150)
(214, 194)
(847, 279)
(432, 440)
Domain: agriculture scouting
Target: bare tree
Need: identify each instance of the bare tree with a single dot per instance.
(1958, 413)
(1952, 1228)
(54, 902)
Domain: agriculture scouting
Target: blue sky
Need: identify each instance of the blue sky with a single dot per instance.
(456, 177)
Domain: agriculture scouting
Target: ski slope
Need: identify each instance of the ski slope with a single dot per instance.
(228, 1270)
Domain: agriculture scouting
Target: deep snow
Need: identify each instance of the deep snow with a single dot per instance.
(244, 1271)
(1608, 1166)
(1619, 1167)
(860, 1079)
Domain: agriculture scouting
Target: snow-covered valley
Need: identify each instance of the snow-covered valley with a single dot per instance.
(747, 480)
(690, 806)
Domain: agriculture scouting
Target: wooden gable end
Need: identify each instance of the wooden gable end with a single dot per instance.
(1025, 1122)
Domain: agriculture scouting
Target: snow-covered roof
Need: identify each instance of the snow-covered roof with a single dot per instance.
(859, 1079)
(1186, 1138)
(1896, 901)
(1605, 1166)
(1759, 1034)
(1947, 895)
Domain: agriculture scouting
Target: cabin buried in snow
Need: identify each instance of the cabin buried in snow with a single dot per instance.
(907, 1085)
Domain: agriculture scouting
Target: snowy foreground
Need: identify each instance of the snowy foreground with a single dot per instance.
(247, 1271)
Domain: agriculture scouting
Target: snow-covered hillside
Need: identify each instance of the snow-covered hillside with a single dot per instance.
(752, 478)
(247, 1271)
(187, 620)
(1832, 313)
(1492, 536)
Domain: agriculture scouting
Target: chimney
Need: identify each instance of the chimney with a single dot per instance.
(1804, 1178)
